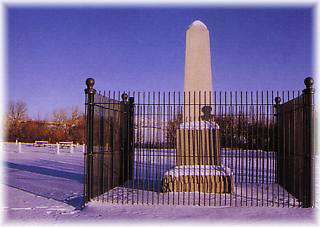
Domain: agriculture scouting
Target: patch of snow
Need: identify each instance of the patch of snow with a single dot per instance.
(196, 125)
(198, 170)
(198, 23)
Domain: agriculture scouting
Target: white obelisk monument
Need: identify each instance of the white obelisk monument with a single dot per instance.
(198, 74)
(198, 136)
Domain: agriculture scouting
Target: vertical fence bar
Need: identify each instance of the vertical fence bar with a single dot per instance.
(189, 139)
(223, 118)
(155, 142)
(300, 176)
(144, 143)
(139, 145)
(130, 142)
(294, 149)
(149, 146)
(104, 149)
(283, 148)
(158, 154)
(278, 142)
(247, 146)
(163, 134)
(206, 152)
(166, 156)
(90, 92)
(252, 145)
(133, 121)
(173, 119)
(124, 137)
(101, 146)
(210, 183)
(109, 151)
(267, 146)
(178, 140)
(289, 155)
(261, 123)
(199, 146)
(257, 146)
(273, 166)
(236, 134)
(240, 144)
(183, 157)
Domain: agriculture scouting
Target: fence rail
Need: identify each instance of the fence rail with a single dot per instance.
(200, 148)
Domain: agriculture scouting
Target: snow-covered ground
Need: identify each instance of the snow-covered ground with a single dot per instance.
(253, 172)
(44, 186)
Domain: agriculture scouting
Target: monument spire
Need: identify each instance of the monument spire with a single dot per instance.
(198, 74)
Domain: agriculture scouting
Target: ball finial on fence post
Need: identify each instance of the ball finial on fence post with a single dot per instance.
(124, 97)
(277, 105)
(277, 100)
(308, 82)
(90, 84)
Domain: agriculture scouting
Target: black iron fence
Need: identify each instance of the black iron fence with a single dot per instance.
(200, 148)
(109, 156)
(295, 145)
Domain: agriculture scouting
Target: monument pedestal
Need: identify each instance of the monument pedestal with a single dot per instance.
(200, 178)
(198, 162)
(198, 144)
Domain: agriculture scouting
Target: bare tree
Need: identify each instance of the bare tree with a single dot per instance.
(17, 112)
(16, 115)
(60, 117)
(75, 116)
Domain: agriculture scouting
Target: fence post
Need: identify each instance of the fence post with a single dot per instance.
(308, 93)
(124, 137)
(130, 137)
(90, 92)
(58, 148)
(19, 147)
(278, 140)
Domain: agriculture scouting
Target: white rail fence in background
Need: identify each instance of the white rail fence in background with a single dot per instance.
(20, 147)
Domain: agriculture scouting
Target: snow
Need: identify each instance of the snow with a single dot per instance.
(198, 23)
(42, 172)
(153, 163)
(26, 207)
(198, 125)
(198, 170)
(42, 186)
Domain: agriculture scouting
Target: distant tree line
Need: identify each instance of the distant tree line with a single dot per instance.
(63, 126)
(236, 131)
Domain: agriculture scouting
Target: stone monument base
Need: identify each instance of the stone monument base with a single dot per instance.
(198, 178)
(198, 143)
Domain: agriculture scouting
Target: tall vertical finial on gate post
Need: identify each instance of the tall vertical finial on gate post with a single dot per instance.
(308, 140)
(90, 92)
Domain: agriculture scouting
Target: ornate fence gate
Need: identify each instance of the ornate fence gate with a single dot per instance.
(109, 156)
(215, 149)
(295, 146)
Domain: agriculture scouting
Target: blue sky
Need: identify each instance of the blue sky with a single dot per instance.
(51, 51)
